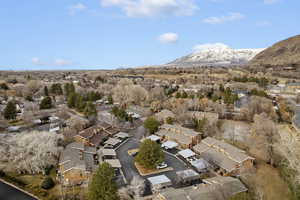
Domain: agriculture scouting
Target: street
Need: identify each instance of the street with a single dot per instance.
(10, 193)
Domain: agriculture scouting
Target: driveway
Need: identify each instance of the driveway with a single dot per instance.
(128, 163)
(10, 193)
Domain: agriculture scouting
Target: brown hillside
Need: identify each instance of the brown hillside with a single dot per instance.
(284, 53)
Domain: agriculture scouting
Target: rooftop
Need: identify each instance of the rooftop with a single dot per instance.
(187, 153)
(220, 153)
(78, 156)
(114, 163)
(156, 180)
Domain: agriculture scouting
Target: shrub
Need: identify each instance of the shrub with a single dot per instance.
(47, 183)
(170, 120)
(2, 173)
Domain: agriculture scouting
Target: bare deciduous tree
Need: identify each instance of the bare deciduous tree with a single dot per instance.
(31, 152)
(157, 94)
(137, 94)
(298, 99)
(32, 87)
(265, 135)
(258, 105)
(133, 191)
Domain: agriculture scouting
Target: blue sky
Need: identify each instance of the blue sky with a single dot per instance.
(97, 34)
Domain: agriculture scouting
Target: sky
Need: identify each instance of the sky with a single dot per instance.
(109, 34)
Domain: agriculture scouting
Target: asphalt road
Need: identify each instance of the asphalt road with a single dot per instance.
(127, 161)
(10, 193)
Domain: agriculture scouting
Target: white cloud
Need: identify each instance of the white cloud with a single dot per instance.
(270, 1)
(151, 8)
(168, 38)
(223, 19)
(77, 8)
(57, 62)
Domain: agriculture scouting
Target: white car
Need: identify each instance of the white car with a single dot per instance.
(162, 165)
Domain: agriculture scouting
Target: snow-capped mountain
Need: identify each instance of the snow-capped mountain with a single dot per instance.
(216, 54)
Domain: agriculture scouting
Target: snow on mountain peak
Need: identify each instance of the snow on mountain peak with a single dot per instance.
(217, 54)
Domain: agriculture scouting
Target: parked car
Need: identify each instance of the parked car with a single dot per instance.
(162, 165)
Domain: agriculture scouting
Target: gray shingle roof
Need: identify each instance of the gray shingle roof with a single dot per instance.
(215, 187)
(78, 156)
(220, 153)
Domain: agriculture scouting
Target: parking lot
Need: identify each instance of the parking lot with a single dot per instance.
(127, 161)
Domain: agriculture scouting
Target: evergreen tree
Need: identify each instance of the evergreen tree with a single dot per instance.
(69, 89)
(102, 185)
(110, 100)
(80, 104)
(4, 86)
(151, 124)
(184, 95)
(10, 111)
(221, 88)
(46, 92)
(46, 103)
(72, 100)
(56, 89)
(90, 109)
(150, 154)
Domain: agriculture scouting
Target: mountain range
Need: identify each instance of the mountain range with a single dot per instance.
(216, 55)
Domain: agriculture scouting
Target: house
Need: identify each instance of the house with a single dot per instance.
(200, 165)
(114, 163)
(293, 87)
(122, 136)
(96, 135)
(76, 163)
(93, 136)
(169, 145)
(186, 154)
(107, 154)
(112, 143)
(153, 138)
(188, 176)
(229, 159)
(213, 188)
(186, 138)
(164, 115)
(159, 182)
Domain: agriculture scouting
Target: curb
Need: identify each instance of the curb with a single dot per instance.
(12, 185)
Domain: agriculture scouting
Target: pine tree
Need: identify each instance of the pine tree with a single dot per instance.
(102, 185)
(46, 103)
(80, 103)
(10, 111)
(46, 92)
(90, 109)
(72, 100)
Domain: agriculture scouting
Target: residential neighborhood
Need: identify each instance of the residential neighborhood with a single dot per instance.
(184, 144)
(150, 100)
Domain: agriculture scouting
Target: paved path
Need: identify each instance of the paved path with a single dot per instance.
(10, 193)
